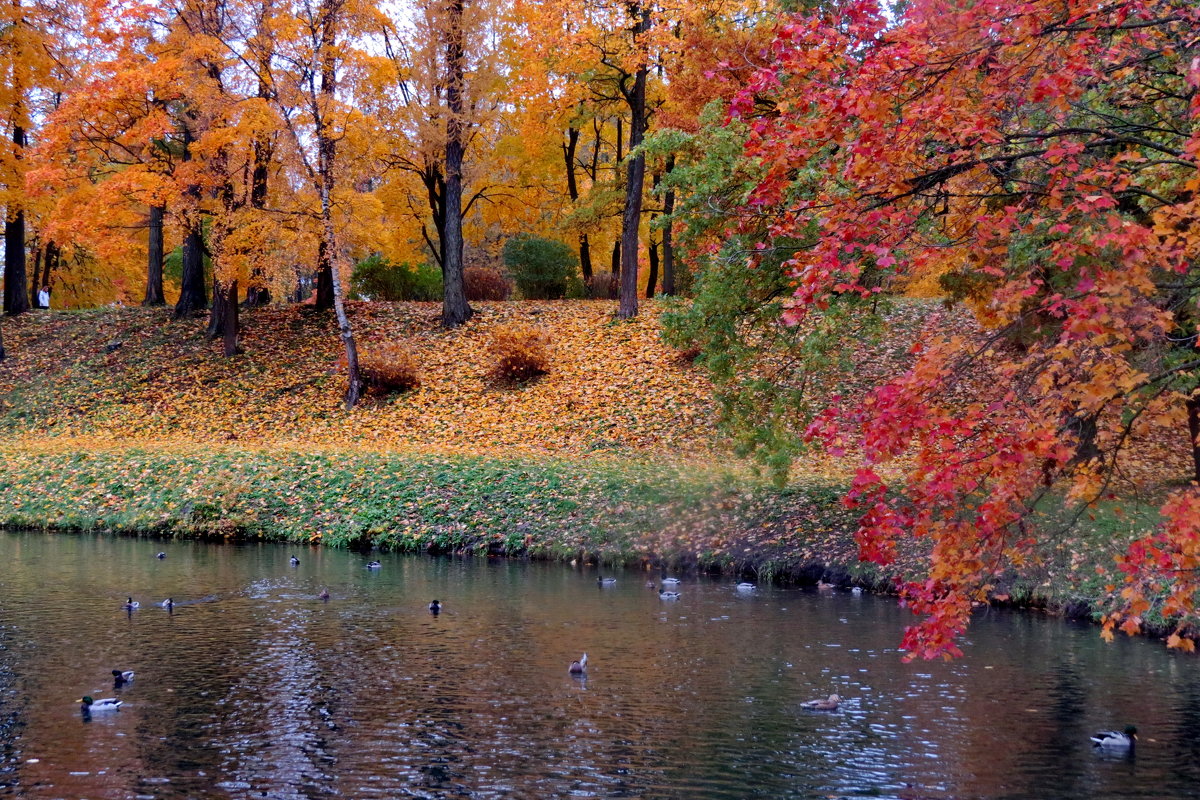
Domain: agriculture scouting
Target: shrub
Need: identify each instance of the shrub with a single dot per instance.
(521, 351)
(389, 368)
(540, 267)
(375, 278)
(485, 283)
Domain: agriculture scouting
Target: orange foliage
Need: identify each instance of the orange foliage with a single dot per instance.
(521, 351)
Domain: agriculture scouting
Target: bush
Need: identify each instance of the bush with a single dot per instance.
(485, 283)
(375, 278)
(389, 368)
(540, 267)
(521, 351)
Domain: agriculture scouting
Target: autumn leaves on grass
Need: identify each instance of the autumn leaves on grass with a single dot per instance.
(519, 352)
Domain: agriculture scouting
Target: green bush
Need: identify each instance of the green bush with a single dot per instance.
(541, 268)
(375, 278)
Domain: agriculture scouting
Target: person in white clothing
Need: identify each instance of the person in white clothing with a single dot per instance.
(44, 297)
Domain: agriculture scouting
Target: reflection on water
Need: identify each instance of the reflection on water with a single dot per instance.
(252, 687)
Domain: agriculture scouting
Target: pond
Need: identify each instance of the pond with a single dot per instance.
(252, 686)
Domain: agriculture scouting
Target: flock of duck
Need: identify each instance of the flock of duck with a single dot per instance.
(1108, 740)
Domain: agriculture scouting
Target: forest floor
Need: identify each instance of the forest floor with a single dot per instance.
(120, 419)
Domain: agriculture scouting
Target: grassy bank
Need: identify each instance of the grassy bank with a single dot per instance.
(612, 511)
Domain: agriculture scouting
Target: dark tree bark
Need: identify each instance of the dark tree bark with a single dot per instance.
(223, 319)
(16, 301)
(154, 259)
(585, 252)
(668, 244)
(614, 284)
(652, 278)
(35, 277)
(51, 261)
(192, 295)
(455, 310)
(1193, 415)
(257, 293)
(2, 353)
(324, 299)
(635, 170)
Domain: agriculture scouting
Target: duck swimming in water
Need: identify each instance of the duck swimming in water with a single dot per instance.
(435, 608)
(670, 581)
(373, 565)
(578, 667)
(161, 555)
(295, 561)
(1116, 740)
(120, 678)
(828, 704)
(168, 604)
(88, 705)
(746, 587)
(324, 596)
(606, 581)
(663, 594)
(131, 604)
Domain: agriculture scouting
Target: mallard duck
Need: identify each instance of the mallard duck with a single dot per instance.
(130, 603)
(606, 581)
(168, 604)
(670, 581)
(324, 595)
(746, 587)
(435, 608)
(663, 594)
(856, 591)
(1116, 739)
(578, 667)
(822, 586)
(120, 678)
(828, 704)
(87, 704)
(161, 555)
(295, 561)
(373, 565)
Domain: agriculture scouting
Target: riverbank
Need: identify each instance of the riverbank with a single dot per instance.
(682, 515)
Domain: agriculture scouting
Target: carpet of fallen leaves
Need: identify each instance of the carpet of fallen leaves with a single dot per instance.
(132, 376)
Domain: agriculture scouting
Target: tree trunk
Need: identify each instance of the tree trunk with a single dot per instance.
(326, 163)
(455, 310)
(614, 284)
(229, 328)
(668, 244)
(192, 297)
(16, 301)
(154, 259)
(2, 353)
(257, 293)
(652, 278)
(635, 172)
(1193, 415)
(325, 290)
(35, 277)
(585, 253)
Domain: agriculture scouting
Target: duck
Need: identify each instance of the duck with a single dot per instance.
(373, 565)
(168, 604)
(120, 678)
(88, 705)
(651, 585)
(435, 608)
(856, 591)
(1123, 740)
(131, 604)
(295, 561)
(578, 667)
(670, 581)
(828, 704)
(822, 586)
(324, 596)
(606, 581)
(746, 587)
(160, 556)
(663, 594)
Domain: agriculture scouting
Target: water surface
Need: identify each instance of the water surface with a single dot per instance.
(252, 687)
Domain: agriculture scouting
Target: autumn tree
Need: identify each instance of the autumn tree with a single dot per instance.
(1039, 162)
